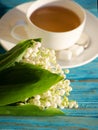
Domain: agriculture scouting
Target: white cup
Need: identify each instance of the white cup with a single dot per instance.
(53, 40)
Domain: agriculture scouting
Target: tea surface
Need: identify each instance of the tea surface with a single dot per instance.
(55, 19)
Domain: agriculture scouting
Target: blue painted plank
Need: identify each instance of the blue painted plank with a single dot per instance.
(84, 91)
(49, 123)
(88, 71)
(82, 112)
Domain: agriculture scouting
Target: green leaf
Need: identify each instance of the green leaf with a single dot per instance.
(29, 110)
(24, 80)
(16, 53)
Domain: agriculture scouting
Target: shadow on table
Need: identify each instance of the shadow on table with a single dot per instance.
(3, 9)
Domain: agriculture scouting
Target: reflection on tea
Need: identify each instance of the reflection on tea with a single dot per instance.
(55, 19)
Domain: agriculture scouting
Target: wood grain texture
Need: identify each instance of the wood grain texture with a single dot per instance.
(49, 123)
(85, 72)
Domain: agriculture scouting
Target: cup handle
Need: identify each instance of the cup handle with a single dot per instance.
(20, 30)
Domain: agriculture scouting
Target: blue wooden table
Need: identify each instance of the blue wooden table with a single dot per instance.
(84, 80)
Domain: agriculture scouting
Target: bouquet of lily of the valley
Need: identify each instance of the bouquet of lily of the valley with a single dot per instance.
(32, 83)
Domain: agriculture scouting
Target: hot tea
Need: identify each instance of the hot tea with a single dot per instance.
(55, 19)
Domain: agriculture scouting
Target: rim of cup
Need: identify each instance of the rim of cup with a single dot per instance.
(47, 2)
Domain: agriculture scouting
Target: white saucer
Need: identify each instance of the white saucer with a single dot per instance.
(18, 13)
